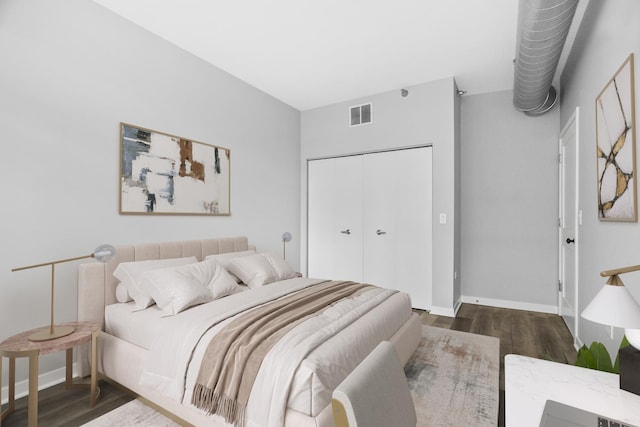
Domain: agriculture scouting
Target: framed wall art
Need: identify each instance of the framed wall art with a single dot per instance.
(616, 147)
(170, 175)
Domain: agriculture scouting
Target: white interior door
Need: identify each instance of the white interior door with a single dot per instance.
(415, 225)
(568, 225)
(380, 203)
(397, 222)
(335, 218)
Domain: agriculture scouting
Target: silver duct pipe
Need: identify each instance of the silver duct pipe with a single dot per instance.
(543, 26)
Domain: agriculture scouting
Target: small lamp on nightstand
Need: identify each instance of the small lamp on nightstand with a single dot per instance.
(102, 253)
(286, 237)
(613, 305)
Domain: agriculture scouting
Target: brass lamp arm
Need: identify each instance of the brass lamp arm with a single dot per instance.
(103, 253)
(52, 262)
(620, 271)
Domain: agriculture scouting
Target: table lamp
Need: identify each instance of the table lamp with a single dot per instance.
(286, 237)
(614, 305)
(102, 253)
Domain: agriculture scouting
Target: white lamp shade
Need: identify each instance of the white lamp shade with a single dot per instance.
(633, 336)
(614, 306)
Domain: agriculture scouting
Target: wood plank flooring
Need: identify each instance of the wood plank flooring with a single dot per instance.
(527, 333)
(59, 407)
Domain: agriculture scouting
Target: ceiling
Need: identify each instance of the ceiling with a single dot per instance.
(314, 53)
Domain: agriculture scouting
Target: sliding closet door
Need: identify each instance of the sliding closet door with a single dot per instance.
(397, 222)
(380, 226)
(414, 249)
(335, 218)
(370, 220)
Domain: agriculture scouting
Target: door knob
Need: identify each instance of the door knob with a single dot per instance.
(347, 231)
(569, 241)
(379, 232)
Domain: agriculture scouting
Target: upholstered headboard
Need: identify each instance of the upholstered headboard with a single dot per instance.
(97, 285)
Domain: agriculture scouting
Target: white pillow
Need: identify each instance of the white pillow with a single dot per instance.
(130, 273)
(222, 283)
(283, 269)
(175, 289)
(122, 295)
(260, 269)
(253, 270)
(225, 259)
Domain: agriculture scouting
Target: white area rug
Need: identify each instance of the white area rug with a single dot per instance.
(453, 376)
(134, 413)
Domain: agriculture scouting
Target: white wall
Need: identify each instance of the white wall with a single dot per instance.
(609, 33)
(71, 72)
(509, 204)
(426, 116)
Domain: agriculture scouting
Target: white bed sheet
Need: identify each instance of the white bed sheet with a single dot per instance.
(322, 370)
(140, 327)
(137, 327)
(329, 364)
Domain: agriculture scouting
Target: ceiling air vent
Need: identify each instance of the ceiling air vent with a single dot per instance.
(360, 115)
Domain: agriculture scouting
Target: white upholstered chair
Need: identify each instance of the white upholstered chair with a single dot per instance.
(375, 394)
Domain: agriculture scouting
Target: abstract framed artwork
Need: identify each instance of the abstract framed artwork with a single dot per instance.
(616, 147)
(170, 175)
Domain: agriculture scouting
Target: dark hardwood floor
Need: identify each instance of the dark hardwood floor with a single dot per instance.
(539, 335)
(528, 333)
(59, 407)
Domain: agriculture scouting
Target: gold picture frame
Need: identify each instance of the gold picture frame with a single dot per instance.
(616, 147)
(163, 174)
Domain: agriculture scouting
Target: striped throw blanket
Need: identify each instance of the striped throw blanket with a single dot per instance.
(234, 355)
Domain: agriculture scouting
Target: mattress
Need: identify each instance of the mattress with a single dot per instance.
(316, 376)
(138, 327)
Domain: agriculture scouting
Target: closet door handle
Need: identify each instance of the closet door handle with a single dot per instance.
(380, 232)
(347, 231)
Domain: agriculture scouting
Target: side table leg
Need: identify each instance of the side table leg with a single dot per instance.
(1, 413)
(69, 369)
(12, 384)
(33, 391)
(94, 368)
(11, 401)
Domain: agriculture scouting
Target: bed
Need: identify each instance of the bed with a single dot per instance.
(149, 352)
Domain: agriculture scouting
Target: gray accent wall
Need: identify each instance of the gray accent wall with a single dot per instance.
(509, 194)
(71, 72)
(427, 116)
(609, 33)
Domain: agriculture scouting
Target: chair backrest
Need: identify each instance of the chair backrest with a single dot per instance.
(375, 394)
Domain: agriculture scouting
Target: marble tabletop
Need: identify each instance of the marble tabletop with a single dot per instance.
(21, 343)
(530, 382)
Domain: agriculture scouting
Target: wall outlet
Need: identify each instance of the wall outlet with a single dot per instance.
(443, 218)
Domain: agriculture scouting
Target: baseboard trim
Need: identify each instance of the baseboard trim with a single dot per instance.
(516, 305)
(45, 380)
(445, 311)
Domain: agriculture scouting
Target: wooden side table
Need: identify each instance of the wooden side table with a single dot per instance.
(20, 346)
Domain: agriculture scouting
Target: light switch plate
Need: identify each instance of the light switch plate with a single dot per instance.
(443, 218)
